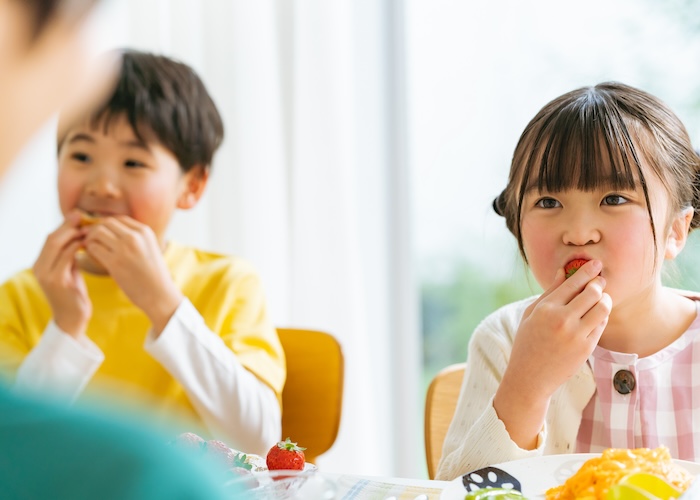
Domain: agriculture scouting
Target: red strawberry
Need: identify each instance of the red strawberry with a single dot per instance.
(573, 266)
(285, 455)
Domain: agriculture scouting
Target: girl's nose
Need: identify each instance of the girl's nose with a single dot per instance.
(581, 230)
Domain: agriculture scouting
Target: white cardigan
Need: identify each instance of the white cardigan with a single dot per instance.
(476, 437)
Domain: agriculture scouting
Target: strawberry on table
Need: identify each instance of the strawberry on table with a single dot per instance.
(573, 266)
(285, 455)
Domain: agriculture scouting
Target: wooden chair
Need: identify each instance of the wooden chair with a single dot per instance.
(312, 398)
(440, 404)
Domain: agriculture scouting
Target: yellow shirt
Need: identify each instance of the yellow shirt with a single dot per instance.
(224, 290)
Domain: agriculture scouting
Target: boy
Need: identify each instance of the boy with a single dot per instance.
(110, 305)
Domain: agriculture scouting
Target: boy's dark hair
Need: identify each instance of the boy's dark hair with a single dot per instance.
(163, 97)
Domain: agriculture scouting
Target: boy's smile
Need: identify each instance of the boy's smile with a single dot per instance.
(107, 170)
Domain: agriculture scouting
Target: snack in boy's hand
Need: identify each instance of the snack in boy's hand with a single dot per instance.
(87, 219)
(286, 455)
(573, 266)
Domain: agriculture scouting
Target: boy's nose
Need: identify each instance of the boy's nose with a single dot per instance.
(102, 184)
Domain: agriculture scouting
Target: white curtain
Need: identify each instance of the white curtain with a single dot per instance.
(310, 185)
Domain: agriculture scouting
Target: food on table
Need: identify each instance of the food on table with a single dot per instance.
(285, 455)
(219, 452)
(495, 494)
(598, 475)
(642, 485)
(573, 266)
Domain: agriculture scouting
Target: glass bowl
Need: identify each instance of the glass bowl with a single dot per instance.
(281, 484)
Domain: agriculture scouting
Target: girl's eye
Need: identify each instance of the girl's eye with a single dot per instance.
(547, 203)
(614, 199)
(81, 157)
(133, 164)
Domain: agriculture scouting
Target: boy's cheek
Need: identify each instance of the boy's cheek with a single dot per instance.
(68, 193)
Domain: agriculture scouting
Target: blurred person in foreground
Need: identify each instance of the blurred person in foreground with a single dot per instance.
(49, 451)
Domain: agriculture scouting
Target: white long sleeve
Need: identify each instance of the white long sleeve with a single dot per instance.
(234, 404)
(477, 437)
(59, 365)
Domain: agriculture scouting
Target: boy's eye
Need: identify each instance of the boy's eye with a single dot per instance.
(133, 164)
(81, 157)
(614, 199)
(547, 203)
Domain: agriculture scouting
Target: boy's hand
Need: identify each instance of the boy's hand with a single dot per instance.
(133, 256)
(57, 273)
(556, 336)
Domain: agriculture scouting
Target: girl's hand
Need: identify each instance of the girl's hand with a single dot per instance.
(131, 253)
(57, 273)
(556, 336)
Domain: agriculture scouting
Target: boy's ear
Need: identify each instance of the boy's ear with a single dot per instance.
(194, 182)
(678, 233)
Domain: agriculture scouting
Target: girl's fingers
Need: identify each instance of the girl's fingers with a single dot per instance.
(596, 319)
(589, 296)
(573, 285)
(558, 280)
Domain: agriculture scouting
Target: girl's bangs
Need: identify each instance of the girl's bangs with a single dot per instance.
(586, 146)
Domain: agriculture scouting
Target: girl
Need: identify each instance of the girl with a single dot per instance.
(604, 175)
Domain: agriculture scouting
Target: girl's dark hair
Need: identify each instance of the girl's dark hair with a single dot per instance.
(165, 98)
(599, 136)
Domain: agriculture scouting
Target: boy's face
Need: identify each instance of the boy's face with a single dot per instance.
(111, 172)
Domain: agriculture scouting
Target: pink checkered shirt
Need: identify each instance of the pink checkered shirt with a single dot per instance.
(663, 408)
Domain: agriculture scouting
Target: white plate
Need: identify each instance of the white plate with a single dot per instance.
(536, 475)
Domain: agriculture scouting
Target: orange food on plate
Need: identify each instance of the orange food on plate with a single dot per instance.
(597, 475)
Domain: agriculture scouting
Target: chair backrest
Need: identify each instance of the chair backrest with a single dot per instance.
(312, 398)
(440, 404)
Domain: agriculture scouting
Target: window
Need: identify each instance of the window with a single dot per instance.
(477, 73)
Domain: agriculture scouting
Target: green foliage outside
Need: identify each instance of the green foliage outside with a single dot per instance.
(451, 309)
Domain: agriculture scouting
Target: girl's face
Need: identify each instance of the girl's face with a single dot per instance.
(610, 225)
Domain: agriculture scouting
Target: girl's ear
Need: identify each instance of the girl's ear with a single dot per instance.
(678, 233)
(193, 184)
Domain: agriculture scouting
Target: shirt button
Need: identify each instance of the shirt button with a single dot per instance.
(624, 382)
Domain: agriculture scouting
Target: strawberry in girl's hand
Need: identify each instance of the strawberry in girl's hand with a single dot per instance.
(573, 266)
(285, 455)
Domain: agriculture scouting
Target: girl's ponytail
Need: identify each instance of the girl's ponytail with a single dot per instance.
(695, 223)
